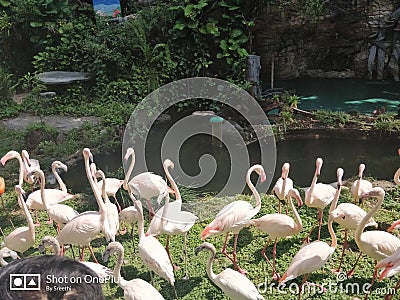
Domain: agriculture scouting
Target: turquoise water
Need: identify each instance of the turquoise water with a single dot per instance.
(344, 94)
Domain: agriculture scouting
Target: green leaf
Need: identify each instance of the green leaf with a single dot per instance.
(201, 4)
(223, 45)
(179, 26)
(36, 24)
(5, 3)
(236, 32)
(242, 52)
(188, 10)
(193, 24)
(65, 40)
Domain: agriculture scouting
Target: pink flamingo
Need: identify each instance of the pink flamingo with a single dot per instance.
(234, 216)
(314, 256)
(376, 244)
(391, 267)
(360, 186)
(318, 195)
(282, 186)
(278, 226)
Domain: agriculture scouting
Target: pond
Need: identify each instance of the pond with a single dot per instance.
(379, 156)
(344, 94)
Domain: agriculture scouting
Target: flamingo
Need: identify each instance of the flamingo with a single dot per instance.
(111, 220)
(315, 255)
(30, 164)
(59, 165)
(135, 289)
(129, 215)
(22, 164)
(278, 226)
(175, 221)
(391, 267)
(112, 187)
(5, 252)
(147, 184)
(375, 244)
(234, 216)
(82, 229)
(152, 253)
(319, 195)
(49, 241)
(349, 216)
(395, 225)
(21, 238)
(2, 190)
(396, 177)
(234, 284)
(282, 186)
(360, 186)
(58, 212)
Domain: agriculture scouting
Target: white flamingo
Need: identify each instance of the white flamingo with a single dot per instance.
(152, 253)
(30, 164)
(5, 252)
(60, 213)
(175, 221)
(234, 216)
(282, 186)
(147, 184)
(22, 170)
(360, 186)
(112, 187)
(279, 226)
(375, 243)
(349, 216)
(59, 165)
(318, 195)
(234, 284)
(314, 256)
(135, 289)
(21, 238)
(129, 215)
(82, 229)
(49, 241)
(111, 220)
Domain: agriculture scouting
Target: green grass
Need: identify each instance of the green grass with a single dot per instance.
(249, 257)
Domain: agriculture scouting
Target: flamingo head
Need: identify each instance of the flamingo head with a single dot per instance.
(9, 155)
(205, 246)
(168, 164)
(395, 225)
(318, 166)
(129, 152)
(339, 174)
(38, 173)
(375, 193)
(260, 171)
(285, 170)
(87, 154)
(295, 194)
(361, 169)
(59, 165)
(337, 213)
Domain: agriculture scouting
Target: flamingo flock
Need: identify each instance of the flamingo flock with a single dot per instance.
(80, 229)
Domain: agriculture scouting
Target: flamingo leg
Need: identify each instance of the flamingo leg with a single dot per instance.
(223, 250)
(169, 254)
(186, 276)
(275, 275)
(91, 252)
(279, 206)
(372, 283)
(37, 219)
(302, 284)
(345, 243)
(242, 271)
(307, 238)
(351, 272)
(117, 203)
(82, 253)
(320, 215)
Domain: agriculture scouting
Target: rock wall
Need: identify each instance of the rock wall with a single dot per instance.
(336, 45)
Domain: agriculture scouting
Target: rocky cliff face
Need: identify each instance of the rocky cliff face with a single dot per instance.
(336, 45)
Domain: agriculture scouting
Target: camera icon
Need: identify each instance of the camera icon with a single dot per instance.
(24, 282)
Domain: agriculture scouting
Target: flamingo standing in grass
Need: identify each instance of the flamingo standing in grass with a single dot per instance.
(396, 177)
(278, 226)
(82, 229)
(112, 187)
(175, 221)
(282, 186)
(129, 215)
(135, 289)
(234, 216)
(314, 256)
(360, 186)
(152, 253)
(21, 238)
(147, 184)
(375, 244)
(234, 284)
(58, 212)
(319, 195)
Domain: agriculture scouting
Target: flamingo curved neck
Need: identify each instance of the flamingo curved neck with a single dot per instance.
(96, 192)
(209, 269)
(21, 170)
(308, 198)
(397, 176)
(42, 192)
(61, 183)
(254, 190)
(103, 189)
(28, 217)
(140, 221)
(332, 233)
(178, 196)
(129, 172)
(299, 223)
(117, 269)
(364, 221)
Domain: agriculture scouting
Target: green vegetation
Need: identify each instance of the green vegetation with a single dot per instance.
(332, 118)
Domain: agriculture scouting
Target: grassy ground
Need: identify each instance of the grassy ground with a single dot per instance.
(250, 244)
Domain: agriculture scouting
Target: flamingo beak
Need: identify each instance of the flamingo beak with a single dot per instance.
(263, 177)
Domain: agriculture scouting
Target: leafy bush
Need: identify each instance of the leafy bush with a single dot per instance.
(7, 86)
(387, 122)
(332, 118)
